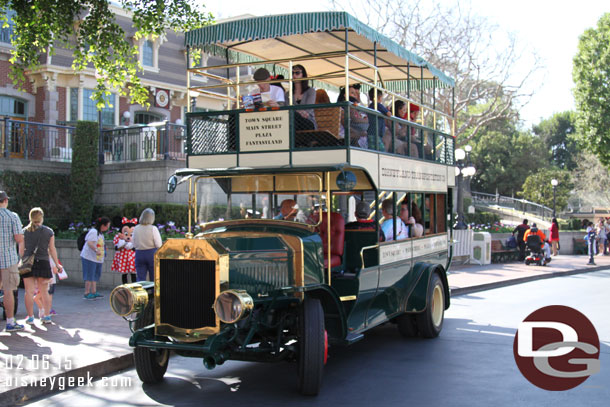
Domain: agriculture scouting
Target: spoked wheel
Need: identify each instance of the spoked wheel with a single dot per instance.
(151, 364)
(312, 347)
(430, 322)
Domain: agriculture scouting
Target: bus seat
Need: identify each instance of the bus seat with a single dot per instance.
(337, 236)
(328, 119)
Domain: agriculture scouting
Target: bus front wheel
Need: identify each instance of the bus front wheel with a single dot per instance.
(151, 364)
(311, 346)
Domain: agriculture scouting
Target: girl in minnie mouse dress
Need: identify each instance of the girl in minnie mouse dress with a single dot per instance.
(124, 261)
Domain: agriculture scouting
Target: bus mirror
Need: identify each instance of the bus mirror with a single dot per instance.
(346, 180)
(172, 183)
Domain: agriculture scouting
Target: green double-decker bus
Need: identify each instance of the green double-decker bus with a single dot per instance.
(310, 222)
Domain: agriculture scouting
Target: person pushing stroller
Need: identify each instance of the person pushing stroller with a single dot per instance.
(546, 247)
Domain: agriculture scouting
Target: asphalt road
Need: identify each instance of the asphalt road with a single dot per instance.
(470, 364)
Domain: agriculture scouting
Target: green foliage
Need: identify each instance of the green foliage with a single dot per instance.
(481, 218)
(89, 28)
(504, 160)
(84, 174)
(538, 188)
(591, 75)
(49, 191)
(559, 135)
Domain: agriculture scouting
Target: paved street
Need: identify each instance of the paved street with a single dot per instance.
(470, 364)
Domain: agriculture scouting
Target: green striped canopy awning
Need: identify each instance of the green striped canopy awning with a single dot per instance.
(304, 35)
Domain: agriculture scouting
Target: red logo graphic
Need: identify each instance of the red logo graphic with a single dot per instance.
(556, 348)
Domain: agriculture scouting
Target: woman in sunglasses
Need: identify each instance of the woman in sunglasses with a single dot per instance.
(303, 94)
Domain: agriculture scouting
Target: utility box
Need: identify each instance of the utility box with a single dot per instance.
(481, 248)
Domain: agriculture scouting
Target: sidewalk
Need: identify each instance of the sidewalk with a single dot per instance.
(87, 340)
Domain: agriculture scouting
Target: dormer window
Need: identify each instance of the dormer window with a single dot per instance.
(148, 53)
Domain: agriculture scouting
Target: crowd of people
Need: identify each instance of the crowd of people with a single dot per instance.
(367, 130)
(135, 246)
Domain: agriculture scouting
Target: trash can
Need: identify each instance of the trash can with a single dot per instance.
(481, 248)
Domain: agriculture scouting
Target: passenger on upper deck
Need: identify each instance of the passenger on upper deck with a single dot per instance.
(359, 121)
(402, 130)
(289, 210)
(416, 146)
(387, 209)
(273, 96)
(376, 135)
(363, 210)
(303, 94)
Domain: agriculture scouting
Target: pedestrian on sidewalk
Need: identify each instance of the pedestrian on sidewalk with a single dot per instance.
(602, 236)
(92, 257)
(554, 232)
(146, 239)
(40, 241)
(520, 230)
(11, 236)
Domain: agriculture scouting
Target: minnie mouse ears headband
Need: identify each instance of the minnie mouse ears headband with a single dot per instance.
(133, 221)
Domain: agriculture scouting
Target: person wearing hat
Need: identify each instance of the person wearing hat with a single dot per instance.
(273, 96)
(363, 210)
(11, 235)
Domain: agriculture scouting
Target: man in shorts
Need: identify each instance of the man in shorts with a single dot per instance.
(11, 235)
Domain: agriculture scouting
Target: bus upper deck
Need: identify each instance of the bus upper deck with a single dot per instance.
(337, 52)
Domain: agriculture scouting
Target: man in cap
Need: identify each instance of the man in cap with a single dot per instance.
(363, 210)
(11, 235)
(272, 95)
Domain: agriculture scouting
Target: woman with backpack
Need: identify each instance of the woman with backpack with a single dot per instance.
(92, 257)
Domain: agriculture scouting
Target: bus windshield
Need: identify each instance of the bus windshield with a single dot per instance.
(286, 197)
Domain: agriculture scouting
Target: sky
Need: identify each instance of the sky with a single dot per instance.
(550, 29)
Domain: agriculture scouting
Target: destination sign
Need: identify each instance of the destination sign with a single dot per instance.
(264, 131)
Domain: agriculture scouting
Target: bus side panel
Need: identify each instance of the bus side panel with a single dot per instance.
(369, 279)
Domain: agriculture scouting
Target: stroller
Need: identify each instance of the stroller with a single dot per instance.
(536, 255)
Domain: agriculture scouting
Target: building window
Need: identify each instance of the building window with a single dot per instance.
(7, 33)
(148, 53)
(73, 104)
(10, 106)
(147, 117)
(90, 112)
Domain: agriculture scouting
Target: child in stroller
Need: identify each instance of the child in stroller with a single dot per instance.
(539, 251)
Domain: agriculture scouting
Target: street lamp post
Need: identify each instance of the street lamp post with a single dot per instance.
(463, 169)
(554, 183)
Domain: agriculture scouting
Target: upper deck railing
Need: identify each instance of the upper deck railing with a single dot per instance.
(336, 126)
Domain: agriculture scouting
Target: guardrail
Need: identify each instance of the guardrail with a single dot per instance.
(520, 205)
(151, 142)
(36, 141)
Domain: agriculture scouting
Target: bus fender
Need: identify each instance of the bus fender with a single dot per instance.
(417, 301)
(334, 317)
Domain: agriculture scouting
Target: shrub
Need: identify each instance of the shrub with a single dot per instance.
(84, 175)
(49, 191)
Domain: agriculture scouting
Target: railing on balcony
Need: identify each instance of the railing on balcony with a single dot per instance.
(36, 141)
(151, 142)
(323, 126)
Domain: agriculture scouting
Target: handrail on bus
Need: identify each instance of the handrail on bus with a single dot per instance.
(375, 246)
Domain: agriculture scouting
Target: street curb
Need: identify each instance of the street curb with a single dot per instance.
(499, 284)
(23, 394)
